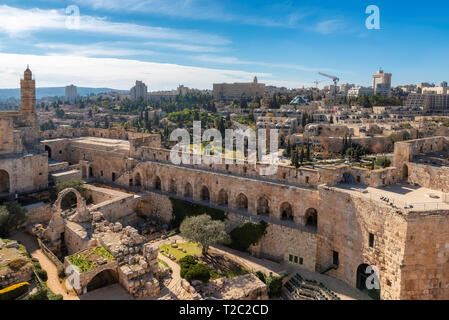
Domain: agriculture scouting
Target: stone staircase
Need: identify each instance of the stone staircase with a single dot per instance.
(298, 288)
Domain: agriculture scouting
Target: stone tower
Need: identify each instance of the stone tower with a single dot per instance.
(28, 98)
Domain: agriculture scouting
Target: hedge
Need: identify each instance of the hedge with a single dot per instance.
(192, 270)
(14, 291)
(198, 271)
(183, 209)
(249, 233)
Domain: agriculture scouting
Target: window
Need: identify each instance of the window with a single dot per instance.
(307, 180)
(290, 258)
(113, 176)
(335, 258)
(101, 172)
(296, 259)
(301, 260)
(371, 240)
(358, 179)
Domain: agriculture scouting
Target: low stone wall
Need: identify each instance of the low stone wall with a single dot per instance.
(280, 242)
(38, 213)
(432, 177)
(157, 206)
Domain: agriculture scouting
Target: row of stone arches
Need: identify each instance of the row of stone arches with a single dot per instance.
(240, 201)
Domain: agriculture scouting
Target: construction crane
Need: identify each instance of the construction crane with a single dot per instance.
(317, 83)
(335, 79)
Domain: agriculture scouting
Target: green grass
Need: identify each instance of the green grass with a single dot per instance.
(192, 249)
(162, 262)
(85, 261)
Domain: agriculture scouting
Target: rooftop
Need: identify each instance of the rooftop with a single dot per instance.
(403, 196)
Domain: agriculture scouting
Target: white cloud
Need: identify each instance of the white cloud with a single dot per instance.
(193, 9)
(92, 50)
(330, 26)
(18, 22)
(237, 61)
(60, 70)
(184, 47)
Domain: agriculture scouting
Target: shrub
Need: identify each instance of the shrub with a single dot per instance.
(17, 264)
(42, 274)
(261, 276)
(198, 271)
(186, 263)
(249, 233)
(12, 215)
(15, 291)
(183, 209)
(274, 286)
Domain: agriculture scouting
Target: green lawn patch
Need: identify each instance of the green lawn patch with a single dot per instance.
(87, 260)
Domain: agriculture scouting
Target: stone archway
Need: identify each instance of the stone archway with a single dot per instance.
(263, 206)
(366, 277)
(242, 202)
(286, 211)
(82, 214)
(157, 183)
(138, 180)
(48, 149)
(172, 187)
(222, 199)
(4, 182)
(405, 171)
(188, 191)
(102, 279)
(205, 194)
(311, 218)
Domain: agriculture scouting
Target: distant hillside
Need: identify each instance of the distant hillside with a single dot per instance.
(54, 92)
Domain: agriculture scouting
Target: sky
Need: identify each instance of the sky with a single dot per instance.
(196, 43)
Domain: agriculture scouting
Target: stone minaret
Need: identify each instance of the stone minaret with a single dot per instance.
(28, 108)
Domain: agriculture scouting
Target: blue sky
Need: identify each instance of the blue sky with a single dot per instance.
(197, 42)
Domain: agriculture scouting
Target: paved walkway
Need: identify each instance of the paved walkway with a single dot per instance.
(53, 282)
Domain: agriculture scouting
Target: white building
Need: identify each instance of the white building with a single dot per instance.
(71, 93)
(140, 90)
(382, 83)
(358, 91)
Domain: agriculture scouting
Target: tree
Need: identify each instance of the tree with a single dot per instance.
(11, 216)
(295, 160)
(204, 230)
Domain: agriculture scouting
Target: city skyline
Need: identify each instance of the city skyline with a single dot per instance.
(197, 43)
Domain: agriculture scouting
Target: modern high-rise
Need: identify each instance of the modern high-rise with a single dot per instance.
(382, 83)
(140, 90)
(71, 93)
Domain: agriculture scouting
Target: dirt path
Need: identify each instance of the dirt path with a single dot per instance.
(52, 272)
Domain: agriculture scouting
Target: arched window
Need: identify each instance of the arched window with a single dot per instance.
(242, 202)
(188, 191)
(172, 187)
(4, 182)
(311, 218)
(138, 180)
(222, 198)
(157, 183)
(286, 211)
(205, 196)
(263, 207)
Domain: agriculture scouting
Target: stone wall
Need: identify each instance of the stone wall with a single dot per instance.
(155, 205)
(425, 267)
(26, 173)
(432, 177)
(280, 242)
(38, 213)
(345, 221)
